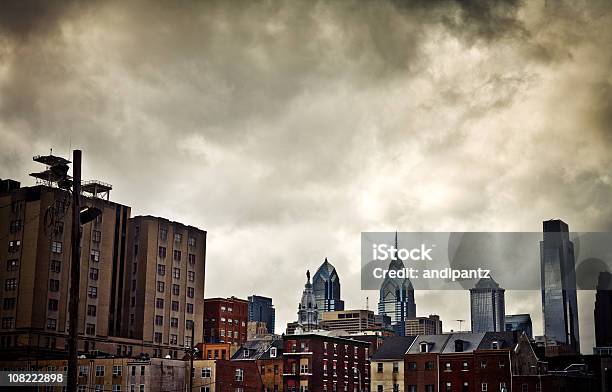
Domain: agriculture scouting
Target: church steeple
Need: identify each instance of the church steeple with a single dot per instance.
(307, 309)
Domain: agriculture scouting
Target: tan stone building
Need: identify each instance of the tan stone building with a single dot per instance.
(431, 325)
(351, 321)
(141, 279)
(387, 365)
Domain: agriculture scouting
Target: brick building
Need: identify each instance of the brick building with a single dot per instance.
(267, 354)
(326, 363)
(225, 320)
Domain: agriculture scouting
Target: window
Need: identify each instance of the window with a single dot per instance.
(83, 371)
(173, 339)
(159, 320)
(178, 237)
(177, 255)
(272, 352)
(495, 345)
(189, 324)
(53, 304)
(8, 303)
(161, 269)
(412, 388)
(93, 273)
(56, 266)
(159, 303)
(525, 388)
(11, 284)
(191, 259)
(379, 367)
(465, 366)
(206, 373)
(191, 276)
(162, 252)
(239, 375)
(190, 292)
(11, 265)
(15, 226)
(56, 247)
(116, 387)
(396, 367)
(163, 233)
(14, 246)
(51, 324)
(58, 227)
(91, 310)
(205, 389)
(174, 322)
(54, 285)
(429, 365)
(424, 347)
(484, 387)
(188, 341)
(176, 273)
(92, 292)
(191, 241)
(429, 388)
(160, 286)
(99, 371)
(90, 329)
(449, 387)
(447, 366)
(96, 236)
(396, 388)
(483, 364)
(157, 337)
(176, 289)
(95, 255)
(175, 306)
(304, 368)
(190, 308)
(7, 322)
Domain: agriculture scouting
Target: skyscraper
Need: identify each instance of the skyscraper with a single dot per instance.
(261, 309)
(558, 281)
(487, 307)
(519, 322)
(397, 297)
(308, 314)
(603, 311)
(326, 288)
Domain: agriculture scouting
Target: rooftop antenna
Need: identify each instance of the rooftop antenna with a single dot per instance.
(367, 303)
(460, 324)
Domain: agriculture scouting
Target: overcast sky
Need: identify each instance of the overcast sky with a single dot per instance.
(287, 129)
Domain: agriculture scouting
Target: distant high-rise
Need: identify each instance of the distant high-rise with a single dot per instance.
(326, 288)
(308, 314)
(519, 322)
(603, 311)
(487, 307)
(261, 309)
(397, 297)
(558, 280)
(431, 325)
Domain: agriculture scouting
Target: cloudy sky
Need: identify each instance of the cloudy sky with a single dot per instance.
(286, 129)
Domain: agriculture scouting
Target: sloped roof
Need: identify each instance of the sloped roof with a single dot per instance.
(505, 340)
(393, 347)
(471, 341)
(258, 349)
(436, 343)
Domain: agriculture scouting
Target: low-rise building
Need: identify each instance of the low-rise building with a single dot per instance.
(431, 325)
(351, 321)
(267, 354)
(387, 364)
(323, 362)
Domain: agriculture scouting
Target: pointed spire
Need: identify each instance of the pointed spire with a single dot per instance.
(395, 239)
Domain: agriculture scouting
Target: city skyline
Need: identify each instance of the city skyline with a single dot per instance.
(286, 130)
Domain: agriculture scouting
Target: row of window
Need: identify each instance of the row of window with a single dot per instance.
(176, 272)
(176, 255)
(157, 337)
(159, 304)
(178, 237)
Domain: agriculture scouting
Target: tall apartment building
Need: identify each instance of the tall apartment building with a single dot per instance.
(558, 280)
(351, 321)
(35, 237)
(124, 303)
(487, 305)
(431, 325)
(225, 320)
(164, 282)
(261, 309)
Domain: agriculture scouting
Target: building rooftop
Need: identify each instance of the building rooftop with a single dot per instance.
(393, 347)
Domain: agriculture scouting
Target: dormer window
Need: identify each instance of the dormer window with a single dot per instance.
(424, 347)
(272, 352)
(246, 353)
(459, 346)
(495, 345)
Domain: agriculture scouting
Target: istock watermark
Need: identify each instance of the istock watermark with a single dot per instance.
(458, 260)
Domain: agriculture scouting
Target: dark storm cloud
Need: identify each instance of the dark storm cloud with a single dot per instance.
(287, 128)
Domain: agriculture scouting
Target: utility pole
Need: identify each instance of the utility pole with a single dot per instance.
(75, 271)
(191, 354)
